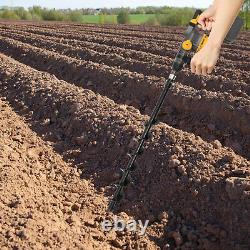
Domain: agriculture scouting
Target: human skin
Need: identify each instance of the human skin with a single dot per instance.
(218, 18)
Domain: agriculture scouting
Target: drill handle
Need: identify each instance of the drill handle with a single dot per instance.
(197, 14)
(233, 32)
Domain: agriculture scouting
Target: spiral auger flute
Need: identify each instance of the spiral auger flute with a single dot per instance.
(194, 41)
(125, 179)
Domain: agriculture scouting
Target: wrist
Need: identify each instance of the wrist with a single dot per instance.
(214, 44)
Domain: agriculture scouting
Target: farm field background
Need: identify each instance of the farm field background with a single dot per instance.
(74, 99)
(112, 19)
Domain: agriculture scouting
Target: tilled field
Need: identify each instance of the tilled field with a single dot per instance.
(74, 100)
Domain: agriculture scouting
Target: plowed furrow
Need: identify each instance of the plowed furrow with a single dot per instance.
(117, 84)
(160, 39)
(155, 31)
(239, 45)
(151, 47)
(170, 39)
(148, 30)
(74, 111)
(37, 190)
(84, 29)
(227, 67)
(98, 38)
(134, 54)
(170, 34)
(139, 28)
(110, 36)
(167, 36)
(232, 84)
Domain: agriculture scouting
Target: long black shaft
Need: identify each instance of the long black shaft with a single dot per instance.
(131, 164)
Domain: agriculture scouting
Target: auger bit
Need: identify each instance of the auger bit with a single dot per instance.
(125, 179)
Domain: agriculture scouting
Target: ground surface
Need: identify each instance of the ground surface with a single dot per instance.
(73, 102)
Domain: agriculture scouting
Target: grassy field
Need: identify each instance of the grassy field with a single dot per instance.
(140, 18)
(99, 19)
(134, 18)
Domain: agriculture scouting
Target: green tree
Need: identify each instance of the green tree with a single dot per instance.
(75, 16)
(246, 9)
(174, 16)
(9, 14)
(123, 17)
(23, 14)
(53, 15)
(36, 10)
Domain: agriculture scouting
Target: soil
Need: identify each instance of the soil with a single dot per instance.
(71, 114)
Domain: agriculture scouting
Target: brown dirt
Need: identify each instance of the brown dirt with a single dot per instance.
(147, 45)
(151, 64)
(39, 191)
(117, 84)
(56, 180)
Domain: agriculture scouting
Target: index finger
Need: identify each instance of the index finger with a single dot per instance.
(201, 20)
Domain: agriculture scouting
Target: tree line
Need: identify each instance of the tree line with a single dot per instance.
(246, 13)
(157, 15)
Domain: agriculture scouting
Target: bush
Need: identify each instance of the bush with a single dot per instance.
(36, 10)
(75, 16)
(152, 21)
(10, 15)
(246, 14)
(175, 16)
(123, 17)
(53, 15)
(23, 14)
(169, 19)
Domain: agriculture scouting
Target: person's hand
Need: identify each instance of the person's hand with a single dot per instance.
(205, 60)
(207, 18)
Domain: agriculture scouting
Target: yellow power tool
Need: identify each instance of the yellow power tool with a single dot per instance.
(195, 39)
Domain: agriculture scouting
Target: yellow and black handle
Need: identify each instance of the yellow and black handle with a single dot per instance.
(195, 39)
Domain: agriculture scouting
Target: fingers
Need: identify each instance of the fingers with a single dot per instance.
(200, 68)
(204, 71)
(196, 68)
(193, 66)
(210, 69)
(209, 25)
(202, 20)
(206, 18)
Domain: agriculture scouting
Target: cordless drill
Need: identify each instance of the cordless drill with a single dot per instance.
(194, 41)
